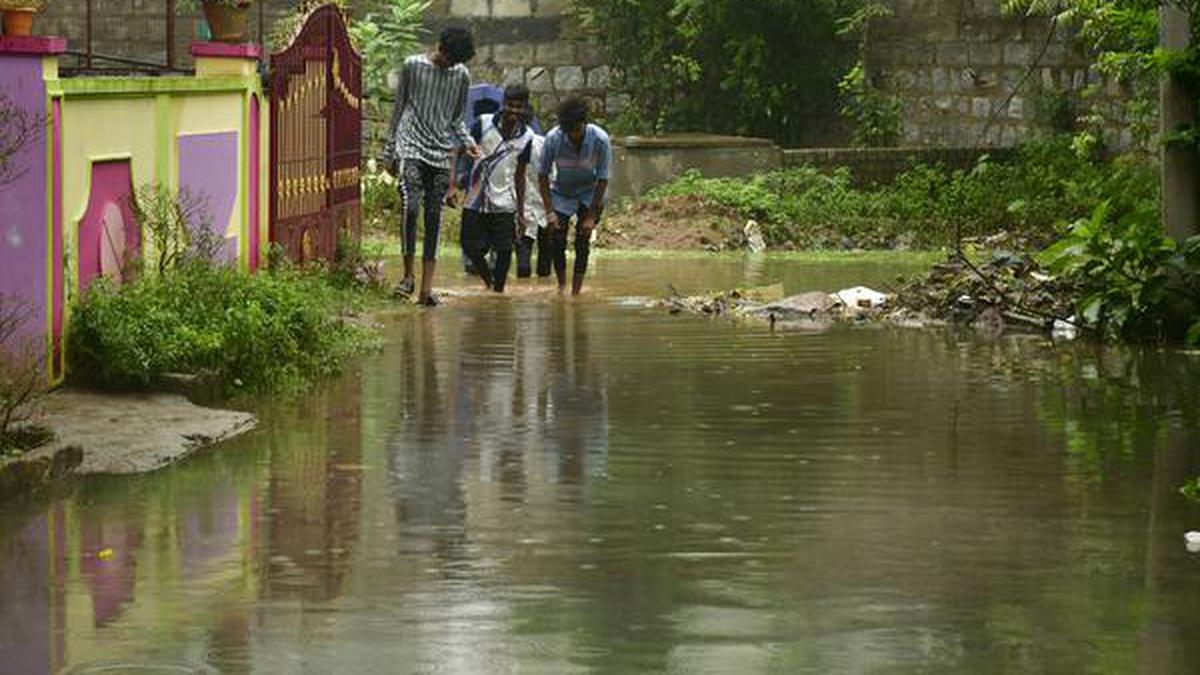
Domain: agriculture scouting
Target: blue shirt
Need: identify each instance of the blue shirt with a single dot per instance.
(576, 170)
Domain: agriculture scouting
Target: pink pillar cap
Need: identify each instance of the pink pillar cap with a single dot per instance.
(227, 50)
(32, 44)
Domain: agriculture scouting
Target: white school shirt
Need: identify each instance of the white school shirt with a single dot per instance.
(535, 210)
(492, 184)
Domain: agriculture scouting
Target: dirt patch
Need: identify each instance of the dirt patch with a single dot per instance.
(680, 222)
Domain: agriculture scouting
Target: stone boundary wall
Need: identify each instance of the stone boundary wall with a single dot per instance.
(533, 42)
(641, 163)
(873, 166)
(956, 63)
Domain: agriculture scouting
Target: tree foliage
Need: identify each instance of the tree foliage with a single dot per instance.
(766, 68)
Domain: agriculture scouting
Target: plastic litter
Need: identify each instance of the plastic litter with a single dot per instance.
(1192, 541)
(1064, 330)
(860, 296)
(754, 237)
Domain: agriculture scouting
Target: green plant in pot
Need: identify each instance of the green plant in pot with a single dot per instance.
(18, 15)
(227, 19)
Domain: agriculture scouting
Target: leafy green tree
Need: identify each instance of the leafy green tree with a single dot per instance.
(766, 68)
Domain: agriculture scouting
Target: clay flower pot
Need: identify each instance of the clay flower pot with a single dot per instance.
(18, 21)
(18, 15)
(227, 20)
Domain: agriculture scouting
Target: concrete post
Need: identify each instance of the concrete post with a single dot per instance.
(1179, 164)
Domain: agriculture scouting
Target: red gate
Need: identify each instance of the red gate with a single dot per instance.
(316, 138)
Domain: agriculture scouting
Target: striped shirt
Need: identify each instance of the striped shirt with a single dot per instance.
(427, 120)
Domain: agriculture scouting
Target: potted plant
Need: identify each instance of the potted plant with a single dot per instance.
(18, 15)
(226, 18)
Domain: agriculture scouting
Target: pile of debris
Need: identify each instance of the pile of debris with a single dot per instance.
(1006, 289)
(768, 303)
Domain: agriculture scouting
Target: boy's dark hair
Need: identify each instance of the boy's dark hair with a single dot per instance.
(484, 106)
(572, 113)
(516, 92)
(457, 44)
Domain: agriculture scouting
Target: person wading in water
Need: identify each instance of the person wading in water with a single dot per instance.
(580, 154)
(496, 188)
(427, 124)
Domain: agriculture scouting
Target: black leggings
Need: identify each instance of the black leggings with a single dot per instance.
(422, 185)
(558, 245)
(494, 232)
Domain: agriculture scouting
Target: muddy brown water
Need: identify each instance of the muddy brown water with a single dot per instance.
(528, 485)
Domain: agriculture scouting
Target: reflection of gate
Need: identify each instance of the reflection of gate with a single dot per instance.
(316, 135)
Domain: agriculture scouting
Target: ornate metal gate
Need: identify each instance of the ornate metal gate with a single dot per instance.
(316, 138)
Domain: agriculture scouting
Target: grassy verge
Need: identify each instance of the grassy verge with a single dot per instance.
(1045, 185)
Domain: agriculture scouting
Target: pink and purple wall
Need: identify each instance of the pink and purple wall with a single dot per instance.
(66, 217)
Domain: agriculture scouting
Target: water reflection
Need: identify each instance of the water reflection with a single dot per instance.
(523, 484)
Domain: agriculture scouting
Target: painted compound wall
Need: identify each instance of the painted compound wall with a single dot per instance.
(68, 217)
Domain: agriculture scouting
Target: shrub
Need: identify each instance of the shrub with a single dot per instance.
(22, 380)
(1137, 282)
(271, 332)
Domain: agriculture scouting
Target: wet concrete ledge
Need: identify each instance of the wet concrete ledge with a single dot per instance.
(105, 433)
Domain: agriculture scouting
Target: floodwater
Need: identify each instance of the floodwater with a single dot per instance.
(523, 484)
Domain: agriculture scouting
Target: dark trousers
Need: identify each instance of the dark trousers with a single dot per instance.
(558, 245)
(422, 184)
(468, 265)
(525, 248)
(492, 232)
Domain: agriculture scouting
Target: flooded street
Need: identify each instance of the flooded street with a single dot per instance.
(525, 484)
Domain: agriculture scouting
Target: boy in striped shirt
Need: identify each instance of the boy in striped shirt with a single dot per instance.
(427, 125)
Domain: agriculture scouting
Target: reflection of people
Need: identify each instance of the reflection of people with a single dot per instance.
(580, 153)
(577, 403)
(431, 96)
(495, 200)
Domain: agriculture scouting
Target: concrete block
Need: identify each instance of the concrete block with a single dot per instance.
(1018, 53)
(904, 80)
(985, 54)
(568, 78)
(1046, 78)
(550, 8)
(597, 78)
(615, 104)
(509, 9)
(939, 80)
(538, 79)
(469, 8)
(512, 75)
(953, 54)
(589, 54)
(981, 107)
(1016, 108)
(559, 53)
(518, 54)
